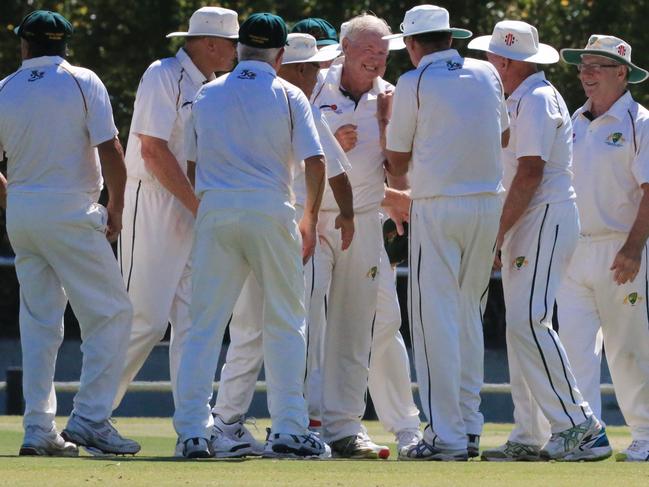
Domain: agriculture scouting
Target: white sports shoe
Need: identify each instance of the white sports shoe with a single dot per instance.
(40, 442)
(98, 438)
(407, 438)
(586, 441)
(308, 445)
(222, 446)
(238, 434)
(638, 451)
(196, 448)
(512, 451)
(268, 446)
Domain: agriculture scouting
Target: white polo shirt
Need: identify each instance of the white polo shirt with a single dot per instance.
(611, 161)
(52, 116)
(162, 107)
(367, 174)
(540, 126)
(245, 130)
(450, 112)
(335, 158)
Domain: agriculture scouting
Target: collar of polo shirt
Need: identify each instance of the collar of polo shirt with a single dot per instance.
(526, 85)
(191, 69)
(439, 56)
(334, 74)
(619, 109)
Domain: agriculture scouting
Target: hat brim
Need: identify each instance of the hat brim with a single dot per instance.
(573, 56)
(323, 55)
(455, 33)
(198, 34)
(546, 55)
(326, 42)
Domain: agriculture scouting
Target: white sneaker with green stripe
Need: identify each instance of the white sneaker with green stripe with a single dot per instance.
(512, 451)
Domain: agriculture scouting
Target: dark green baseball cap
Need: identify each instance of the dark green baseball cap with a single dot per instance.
(264, 31)
(45, 27)
(325, 34)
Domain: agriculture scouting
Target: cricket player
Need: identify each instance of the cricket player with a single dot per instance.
(155, 245)
(538, 234)
(605, 289)
(300, 66)
(245, 130)
(448, 116)
(57, 129)
(353, 97)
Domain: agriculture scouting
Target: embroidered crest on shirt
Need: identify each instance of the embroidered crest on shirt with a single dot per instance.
(247, 74)
(615, 139)
(632, 299)
(453, 65)
(520, 262)
(36, 75)
(333, 108)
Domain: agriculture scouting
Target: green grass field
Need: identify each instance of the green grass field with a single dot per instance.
(154, 465)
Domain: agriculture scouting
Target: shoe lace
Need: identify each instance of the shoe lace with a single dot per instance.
(250, 420)
(639, 445)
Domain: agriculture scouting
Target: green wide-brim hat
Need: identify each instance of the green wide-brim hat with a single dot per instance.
(609, 47)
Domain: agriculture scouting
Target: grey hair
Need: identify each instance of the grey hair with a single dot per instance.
(367, 23)
(249, 53)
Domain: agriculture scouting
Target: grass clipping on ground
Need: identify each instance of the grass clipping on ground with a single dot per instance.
(155, 466)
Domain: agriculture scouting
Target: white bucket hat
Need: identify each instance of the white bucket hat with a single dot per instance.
(513, 39)
(213, 22)
(302, 48)
(394, 45)
(610, 47)
(428, 18)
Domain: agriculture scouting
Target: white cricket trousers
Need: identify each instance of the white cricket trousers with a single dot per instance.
(535, 256)
(590, 305)
(351, 278)
(154, 255)
(451, 254)
(389, 372)
(229, 244)
(62, 254)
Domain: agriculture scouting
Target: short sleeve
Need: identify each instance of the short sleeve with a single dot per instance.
(401, 129)
(99, 117)
(305, 140)
(155, 108)
(504, 116)
(640, 164)
(536, 126)
(335, 157)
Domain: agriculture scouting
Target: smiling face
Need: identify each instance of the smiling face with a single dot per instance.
(601, 80)
(366, 55)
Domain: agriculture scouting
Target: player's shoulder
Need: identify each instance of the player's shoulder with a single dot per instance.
(163, 68)
(292, 91)
(642, 113)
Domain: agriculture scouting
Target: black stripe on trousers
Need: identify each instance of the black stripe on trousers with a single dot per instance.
(369, 358)
(551, 334)
(538, 346)
(130, 270)
(423, 337)
(308, 334)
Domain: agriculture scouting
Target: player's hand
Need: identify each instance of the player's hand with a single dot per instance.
(626, 264)
(307, 228)
(384, 105)
(498, 264)
(398, 217)
(114, 224)
(347, 136)
(346, 226)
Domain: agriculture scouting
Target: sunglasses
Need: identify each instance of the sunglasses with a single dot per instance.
(595, 67)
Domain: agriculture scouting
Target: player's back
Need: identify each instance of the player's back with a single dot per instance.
(43, 127)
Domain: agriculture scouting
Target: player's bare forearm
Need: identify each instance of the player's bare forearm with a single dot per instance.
(397, 162)
(524, 185)
(342, 190)
(161, 162)
(398, 182)
(626, 264)
(3, 191)
(111, 158)
(314, 176)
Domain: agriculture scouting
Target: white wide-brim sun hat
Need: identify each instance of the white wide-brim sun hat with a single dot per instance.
(212, 22)
(609, 47)
(428, 18)
(516, 40)
(303, 48)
